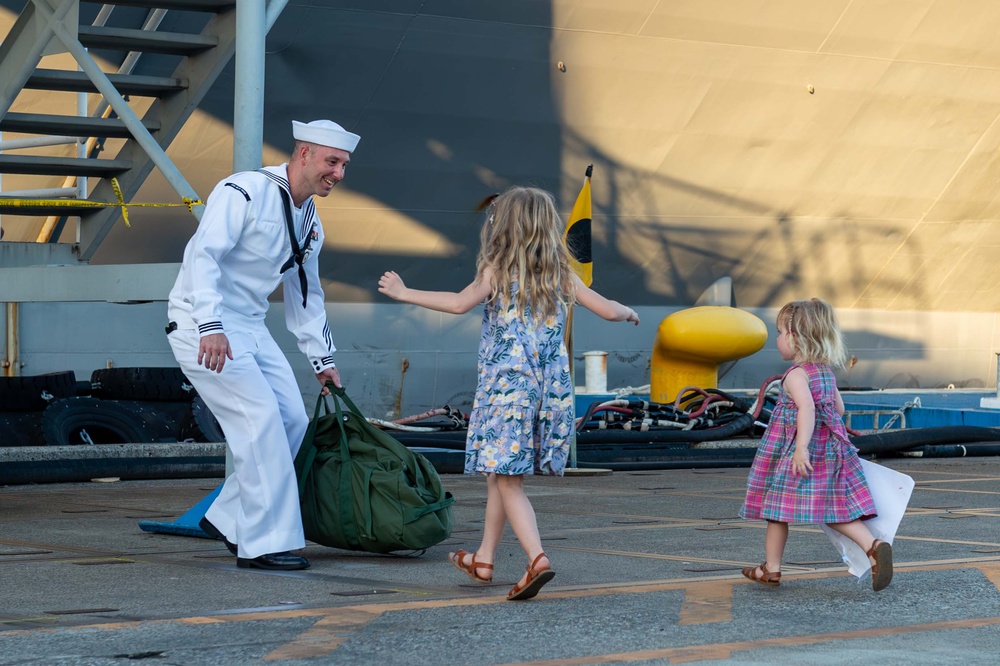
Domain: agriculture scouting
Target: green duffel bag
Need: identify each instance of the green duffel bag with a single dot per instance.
(360, 489)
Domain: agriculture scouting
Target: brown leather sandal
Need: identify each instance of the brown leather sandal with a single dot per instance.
(536, 579)
(769, 578)
(470, 571)
(881, 552)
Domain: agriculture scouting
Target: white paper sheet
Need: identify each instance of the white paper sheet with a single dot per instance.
(891, 492)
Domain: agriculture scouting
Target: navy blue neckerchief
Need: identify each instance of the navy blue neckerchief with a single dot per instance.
(298, 253)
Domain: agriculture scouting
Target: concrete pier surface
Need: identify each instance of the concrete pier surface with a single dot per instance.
(647, 569)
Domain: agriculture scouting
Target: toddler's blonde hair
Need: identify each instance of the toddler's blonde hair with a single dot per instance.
(522, 241)
(815, 335)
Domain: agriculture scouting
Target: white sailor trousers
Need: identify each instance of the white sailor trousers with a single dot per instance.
(260, 409)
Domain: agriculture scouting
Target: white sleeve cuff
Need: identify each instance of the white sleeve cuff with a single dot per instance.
(321, 364)
(210, 328)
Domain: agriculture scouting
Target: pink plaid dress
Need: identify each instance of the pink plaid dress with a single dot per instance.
(835, 491)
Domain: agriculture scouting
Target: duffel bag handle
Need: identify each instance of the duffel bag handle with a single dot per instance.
(340, 392)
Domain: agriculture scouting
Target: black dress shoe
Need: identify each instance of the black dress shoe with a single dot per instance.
(213, 531)
(284, 561)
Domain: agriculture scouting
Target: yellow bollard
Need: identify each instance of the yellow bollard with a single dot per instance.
(691, 344)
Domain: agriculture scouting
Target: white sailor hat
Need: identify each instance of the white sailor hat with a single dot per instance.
(325, 133)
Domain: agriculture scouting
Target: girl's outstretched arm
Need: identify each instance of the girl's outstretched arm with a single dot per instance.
(603, 307)
(392, 286)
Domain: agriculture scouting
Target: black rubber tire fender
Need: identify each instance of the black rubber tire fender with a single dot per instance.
(165, 417)
(900, 440)
(33, 393)
(168, 384)
(21, 429)
(73, 421)
(202, 425)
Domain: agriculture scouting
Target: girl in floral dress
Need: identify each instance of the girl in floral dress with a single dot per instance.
(523, 412)
(806, 470)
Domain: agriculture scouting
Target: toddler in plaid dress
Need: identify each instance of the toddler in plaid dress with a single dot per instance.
(523, 411)
(806, 470)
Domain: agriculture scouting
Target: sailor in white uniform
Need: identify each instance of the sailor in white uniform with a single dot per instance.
(259, 229)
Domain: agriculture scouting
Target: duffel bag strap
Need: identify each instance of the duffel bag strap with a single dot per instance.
(307, 452)
(339, 392)
(411, 514)
(344, 487)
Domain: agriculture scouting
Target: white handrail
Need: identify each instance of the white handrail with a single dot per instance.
(43, 193)
(38, 141)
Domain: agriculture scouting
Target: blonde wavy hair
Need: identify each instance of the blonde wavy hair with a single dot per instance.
(522, 240)
(815, 334)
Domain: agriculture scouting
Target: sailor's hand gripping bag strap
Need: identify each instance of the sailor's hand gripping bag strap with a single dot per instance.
(360, 489)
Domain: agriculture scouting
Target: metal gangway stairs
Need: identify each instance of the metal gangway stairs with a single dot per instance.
(190, 61)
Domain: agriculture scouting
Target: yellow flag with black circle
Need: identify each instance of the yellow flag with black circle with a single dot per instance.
(577, 235)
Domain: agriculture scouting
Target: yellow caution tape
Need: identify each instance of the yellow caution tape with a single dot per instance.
(84, 203)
